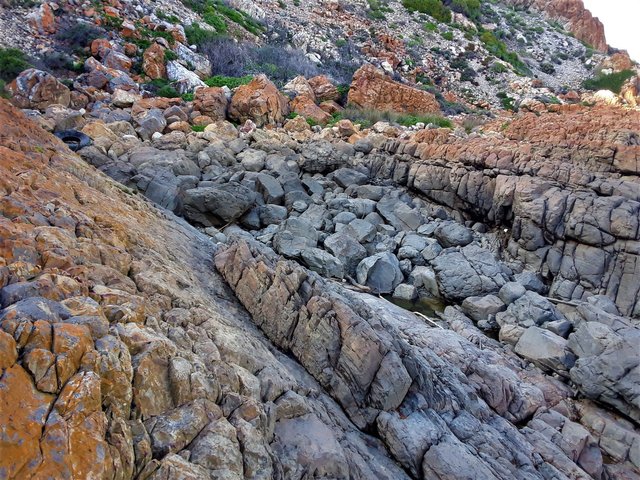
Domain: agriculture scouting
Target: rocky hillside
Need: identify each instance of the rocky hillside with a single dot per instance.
(473, 55)
(125, 354)
(299, 240)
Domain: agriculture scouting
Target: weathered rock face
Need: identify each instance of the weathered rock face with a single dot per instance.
(304, 105)
(211, 102)
(259, 101)
(581, 22)
(122, 352)
(37, 89)
(153, 62)
(371, 88)
(567, 184)
(432, 395)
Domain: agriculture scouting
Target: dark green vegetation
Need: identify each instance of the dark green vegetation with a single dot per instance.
(498, 48)
(612, 81)
(217, 13)
(196, 35)
(79, 35)
(368, 117)
(434, 8)
(231, 82)
(12, 62)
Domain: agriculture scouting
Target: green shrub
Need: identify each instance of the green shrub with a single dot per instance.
(498, 67)
(188, 97)
(498, 48)
(470, 8)
(196, 35)
(170, 55)
(3, 92)
(507, 102)
(167, 91)
(198, 128)
(377, 10)
(167, 18)
(231, 82)
(368, 117)
(430, 27)
(79, 35)
(612, 81)
(341, 42)
(547, 68)
(12, 62)
(434, 8)
(447, 35)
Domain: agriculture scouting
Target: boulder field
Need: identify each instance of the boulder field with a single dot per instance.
(247, 343)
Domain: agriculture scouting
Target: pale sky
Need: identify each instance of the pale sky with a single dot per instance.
(620, 19)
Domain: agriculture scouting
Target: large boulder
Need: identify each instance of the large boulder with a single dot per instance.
(153, 63)
(259, 101)
(304, 106)
(211, 101)
(184, 79)
(380, 272)
(217, 205)
(201, 65)
(323, 89)
(294, 236)
(347, 249)
(545, 349)
(37, 90)
(468, 271)
(149, 122)
(371, 88)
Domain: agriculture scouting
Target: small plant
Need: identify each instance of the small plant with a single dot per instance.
(430, 27)
(170, 55)
(498, 48)
(12, 62)
(433, 8)
(3, 92)
(196, 35)
(508, 103)
(198, 128)
(167, 18)
(447, 35)
(79, 35)
(547, 68)
(231, 82)
(498, 67)
(292, 115)
(168, 92)
(612, 81)
(282, 4)
(188, 97)
(296, 3)
(341, 42)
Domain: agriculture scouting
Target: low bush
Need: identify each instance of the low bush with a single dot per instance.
(3, 92)
(12, 62)
(230, 58)
(170, 55)
(231, 82)
(198, 128)
(196, 35)
(433, 8)
(79, 35)
(368, 117)
(612, 81)
(470, 8)
(499, 49)
(168, 92)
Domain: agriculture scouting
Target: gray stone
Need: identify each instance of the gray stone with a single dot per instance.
(533, 309)
(425, 278)
(405, 291)
(452, 234)
(213, 206)
(432, 250)
(546, 349)
(252, 160)
(480, 308)
(271, 214)
(399, 214)
(294, 236)
(380, 272)
(511, 291)
(269, 188)
(348, 250)
(371, 192)
(466, 272)
(391, 383)
(322, 262)
(344, 217)
(346, 177)
(531, 281)
(149, 122)
(361, 230)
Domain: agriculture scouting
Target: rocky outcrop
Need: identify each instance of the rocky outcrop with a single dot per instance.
(37, 90)
(567, 185)
(259, 101)
(438, 402)
(371, 88)
(153, 63)
(580, 21)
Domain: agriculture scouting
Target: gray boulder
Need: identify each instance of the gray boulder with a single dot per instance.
(149, 122)
(269, 188)
(322, 262)
(252, 160)
(361, 230)
(217, 205)
(546, 349)
(468, 271)
(293, 236)
(380, 272)
(399, 214)
(347, 249)
(346, 177)
(452, 234)
(480, 308)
